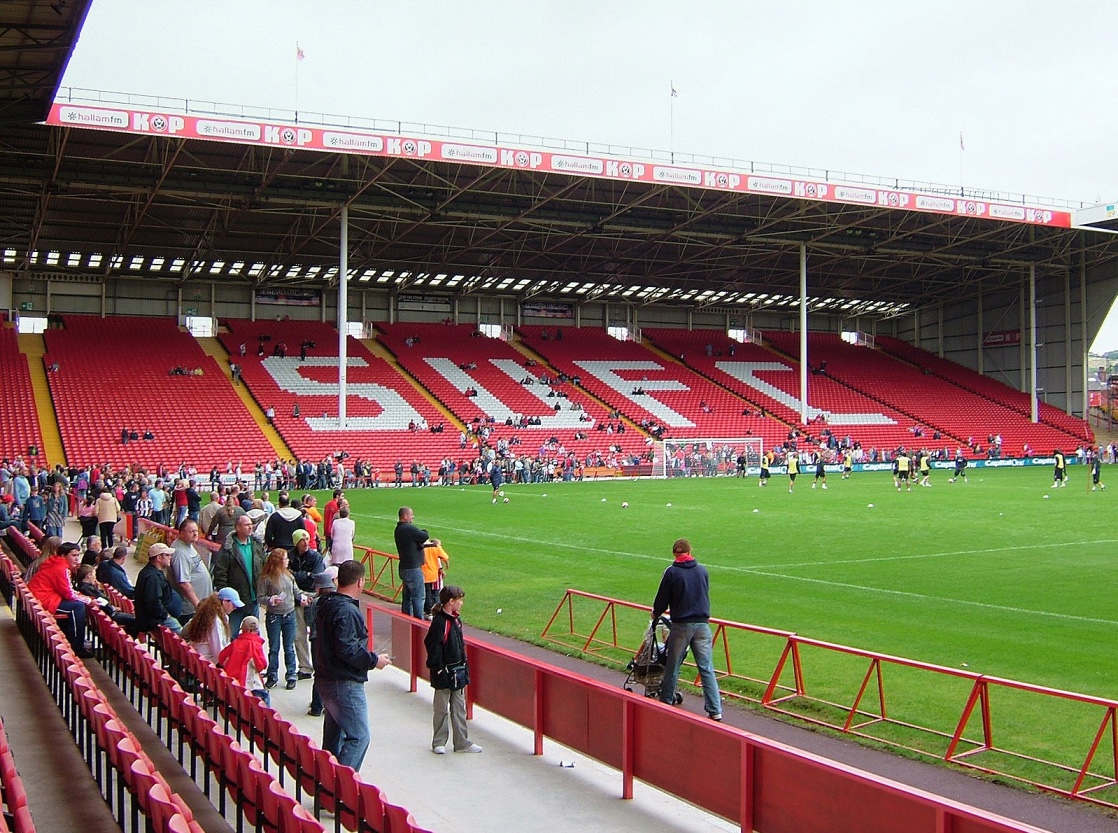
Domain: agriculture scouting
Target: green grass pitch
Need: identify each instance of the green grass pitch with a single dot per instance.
(989, 574)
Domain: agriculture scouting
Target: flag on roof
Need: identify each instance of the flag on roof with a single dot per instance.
(961, 146)
(299, 54)
(674, 93)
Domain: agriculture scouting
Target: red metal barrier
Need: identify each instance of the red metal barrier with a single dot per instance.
(760, 784)
(380, 573)
(899, 702)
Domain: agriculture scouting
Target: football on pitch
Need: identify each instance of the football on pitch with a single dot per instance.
(506, 500)
(624, 505)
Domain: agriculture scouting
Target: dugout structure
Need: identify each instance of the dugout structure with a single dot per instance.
(706, 457)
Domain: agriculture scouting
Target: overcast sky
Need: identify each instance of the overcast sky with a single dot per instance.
(881, 88)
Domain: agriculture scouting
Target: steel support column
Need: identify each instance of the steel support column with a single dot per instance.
(343, 313)
(1067, 341)
(803, 333)
(1084, 346)
(981, 331)
(1032, 343)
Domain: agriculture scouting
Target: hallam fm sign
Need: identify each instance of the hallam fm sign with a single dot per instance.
(215, 128)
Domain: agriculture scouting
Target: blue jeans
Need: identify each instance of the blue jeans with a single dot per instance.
(281, 626)
(345, 728)
(173, 624)
(414, 591)
(697, 637)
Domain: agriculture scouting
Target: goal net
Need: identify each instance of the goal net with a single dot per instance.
(706, 457)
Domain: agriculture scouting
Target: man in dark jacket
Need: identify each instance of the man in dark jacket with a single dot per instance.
(283, 523)
(238, 564)
(111, 571)
(154, 595)
(341, 667)
(685, 591)
(305, 563)
(410, 541)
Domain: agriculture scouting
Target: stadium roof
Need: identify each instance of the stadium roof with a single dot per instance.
(140, 200)
(37, 38)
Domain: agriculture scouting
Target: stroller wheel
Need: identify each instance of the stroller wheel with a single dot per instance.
(678, 698)
(628, 688)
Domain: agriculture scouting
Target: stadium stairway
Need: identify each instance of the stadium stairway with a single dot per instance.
(382, 352)
(213, 348)
(33, 347)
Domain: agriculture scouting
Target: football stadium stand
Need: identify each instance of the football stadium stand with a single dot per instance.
(680, 383)
(968, 418)
(381, 405)
(772, 382)
(140, 375)
(453, 360)
(19, 418)
(645, 386)
(984, 386)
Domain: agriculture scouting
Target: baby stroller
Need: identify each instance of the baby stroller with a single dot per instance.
(647, 667)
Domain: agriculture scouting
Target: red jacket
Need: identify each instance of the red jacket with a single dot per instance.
(51, 583)
(329, 511)
(234, 657)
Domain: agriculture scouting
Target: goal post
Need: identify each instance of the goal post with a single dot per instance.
(706, 456)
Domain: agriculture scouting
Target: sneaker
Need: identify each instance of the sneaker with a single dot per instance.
(314, 712)
(439, 750)
(304, 675)
(291, 685)
(824, 485)
(717, 718)
(813, 485)
(473, 747)
(85, 653)
(270, 682)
